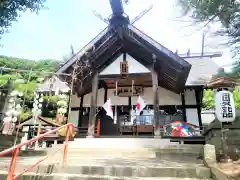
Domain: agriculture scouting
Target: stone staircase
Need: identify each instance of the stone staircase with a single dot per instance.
(117, 159)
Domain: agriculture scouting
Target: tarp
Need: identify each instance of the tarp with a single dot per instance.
(181, 129)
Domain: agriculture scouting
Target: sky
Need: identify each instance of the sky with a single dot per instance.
(50, 34)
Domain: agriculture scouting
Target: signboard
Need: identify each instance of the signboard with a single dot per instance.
(124, 69)
(224, 106)
(127, 91)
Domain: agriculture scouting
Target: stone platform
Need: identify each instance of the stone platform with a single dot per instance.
(118, 159)
(121, 143)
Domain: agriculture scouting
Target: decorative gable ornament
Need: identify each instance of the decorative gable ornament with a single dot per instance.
(224, 106)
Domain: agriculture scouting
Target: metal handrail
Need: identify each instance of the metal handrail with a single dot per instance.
(16, 149)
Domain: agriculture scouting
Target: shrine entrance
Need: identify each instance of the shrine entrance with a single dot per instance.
(123, 92)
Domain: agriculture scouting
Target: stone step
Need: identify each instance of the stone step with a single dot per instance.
(27, 176)
(165, 154)
(120, 143)
(119, 167)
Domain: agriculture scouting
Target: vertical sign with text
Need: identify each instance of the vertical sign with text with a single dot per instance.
(224, 106)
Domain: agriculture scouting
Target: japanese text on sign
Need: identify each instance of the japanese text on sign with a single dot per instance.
(226, 106)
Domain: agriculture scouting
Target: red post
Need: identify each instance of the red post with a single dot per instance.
(98, 128)
(66, 145)
(12, 167)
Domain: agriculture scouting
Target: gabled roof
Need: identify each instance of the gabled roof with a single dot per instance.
(40, 120)
(53, 84)
(222, 82)
(203, 69)
(111, 42)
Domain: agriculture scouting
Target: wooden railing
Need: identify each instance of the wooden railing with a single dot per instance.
(16, 149)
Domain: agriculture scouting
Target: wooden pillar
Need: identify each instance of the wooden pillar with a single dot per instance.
(80, 115)
(130, 103)
(198, 101)
(157, 131)
(93, 107)
(183, 106)
(105, 94)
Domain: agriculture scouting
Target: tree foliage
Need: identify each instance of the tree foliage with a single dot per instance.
(25, 82)
(226, 12)
(208, 99)
(10, 11)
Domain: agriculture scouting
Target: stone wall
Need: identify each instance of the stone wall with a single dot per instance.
(213, 135)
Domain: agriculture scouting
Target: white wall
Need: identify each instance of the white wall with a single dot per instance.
(192, 116)
(190, 98)
(207, 117)
(165, 98)
(133, 66)
(202, 68)
(74, 117)
(75, 101)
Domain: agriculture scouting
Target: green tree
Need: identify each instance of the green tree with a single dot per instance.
(208, 99)
(225, 12)
(20, 80)
(10, 11)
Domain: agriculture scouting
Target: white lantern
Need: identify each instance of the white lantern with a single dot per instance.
(11, 100)
(16, 113)
(39, 111)
(18, 107)
(64, 110)
(9, 113)
(10, 106)
(224, 106)
(13, 93)
(62, 103)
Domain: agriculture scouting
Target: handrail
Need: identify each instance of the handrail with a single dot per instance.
(16, 149)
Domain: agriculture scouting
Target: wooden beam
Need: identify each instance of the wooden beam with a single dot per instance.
(130, 102)
(93, 107)
(198, 100)
(183, 106)
(105, 94)
(156, 114)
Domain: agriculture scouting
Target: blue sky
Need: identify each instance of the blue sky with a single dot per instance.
(50, 33)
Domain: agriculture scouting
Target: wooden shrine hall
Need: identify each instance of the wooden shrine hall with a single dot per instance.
(121, 63)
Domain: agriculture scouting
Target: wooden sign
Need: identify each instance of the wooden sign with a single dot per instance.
(127, 91)
(124, 69)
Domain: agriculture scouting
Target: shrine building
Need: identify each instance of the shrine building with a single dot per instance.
(122, 63)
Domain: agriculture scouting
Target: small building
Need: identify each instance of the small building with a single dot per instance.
(53, 85)
(31, 128)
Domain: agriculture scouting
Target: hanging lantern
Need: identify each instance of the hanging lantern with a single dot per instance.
(14, 109)
(18, 107)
